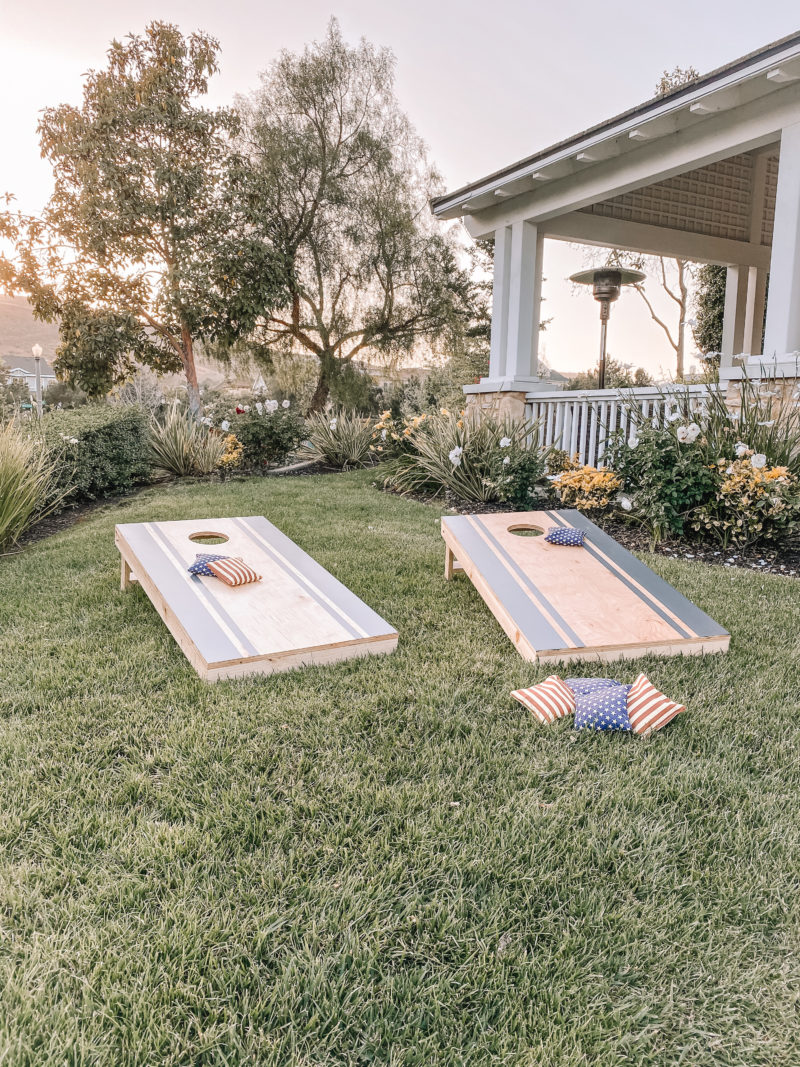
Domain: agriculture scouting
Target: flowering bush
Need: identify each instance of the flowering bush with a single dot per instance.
(586, 488)
(268, 430)
(392, 437)
(232, 456)
(663, 474)
(477, 458)
(752, 502)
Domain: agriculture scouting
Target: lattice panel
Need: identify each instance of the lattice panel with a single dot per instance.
(768, 220)
(713, 200)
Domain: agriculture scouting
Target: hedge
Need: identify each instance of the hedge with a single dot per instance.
(103, 448)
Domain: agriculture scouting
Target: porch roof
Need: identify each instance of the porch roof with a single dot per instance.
(728, 89)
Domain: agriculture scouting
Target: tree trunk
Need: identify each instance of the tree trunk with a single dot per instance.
(190, 370)
(322, 391)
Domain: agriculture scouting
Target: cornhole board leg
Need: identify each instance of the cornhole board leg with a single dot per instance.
(451, 564)
(126, 576)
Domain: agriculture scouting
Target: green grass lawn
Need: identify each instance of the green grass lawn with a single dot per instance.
(384, 861)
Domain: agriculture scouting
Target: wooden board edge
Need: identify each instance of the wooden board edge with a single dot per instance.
(276, 657)
(696, 647)
(290, 661)
(498, 611)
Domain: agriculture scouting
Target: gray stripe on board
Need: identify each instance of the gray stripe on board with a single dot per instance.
(700, 624)
(532, 587)
(198, 584)
(344, 600)
(536, 629)
(211, 642)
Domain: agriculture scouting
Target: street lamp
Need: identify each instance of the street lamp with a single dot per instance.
(37, 359)
(606, 283)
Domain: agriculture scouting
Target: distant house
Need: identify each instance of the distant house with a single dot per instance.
(24, 368)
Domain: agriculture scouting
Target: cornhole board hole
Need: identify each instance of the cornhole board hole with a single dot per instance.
(299, 614)
(555, 602)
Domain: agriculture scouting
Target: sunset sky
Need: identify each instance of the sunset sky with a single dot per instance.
(485, 84)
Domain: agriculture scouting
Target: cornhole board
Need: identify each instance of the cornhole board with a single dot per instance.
(555, 602)
(298, 614)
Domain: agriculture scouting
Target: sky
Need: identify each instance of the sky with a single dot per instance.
(484, 84)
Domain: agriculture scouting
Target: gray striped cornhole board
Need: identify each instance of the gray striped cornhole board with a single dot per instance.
(563, 603)
(298, 614)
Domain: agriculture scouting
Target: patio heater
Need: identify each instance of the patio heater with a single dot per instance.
(606, 283)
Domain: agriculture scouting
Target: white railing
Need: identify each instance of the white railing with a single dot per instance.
(580, 421)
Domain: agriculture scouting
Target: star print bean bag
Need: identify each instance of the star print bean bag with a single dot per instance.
(549, 700)
(584, 686)
(201, 562)
(605, 709)
(565, 535)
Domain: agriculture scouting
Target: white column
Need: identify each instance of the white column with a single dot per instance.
(500, 294)
(525, 298)
(754, 314)
(733, 322)
(516, 305)
(783, 305)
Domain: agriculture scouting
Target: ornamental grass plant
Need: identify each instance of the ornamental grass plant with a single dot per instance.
(181, 445)
(31, 482)
(341, 440)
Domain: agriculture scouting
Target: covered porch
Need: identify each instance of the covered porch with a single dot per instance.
(709, 172)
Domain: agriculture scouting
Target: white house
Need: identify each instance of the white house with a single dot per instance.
(24, 368)
(709, 172)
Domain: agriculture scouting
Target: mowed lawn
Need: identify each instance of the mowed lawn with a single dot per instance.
(384, 861)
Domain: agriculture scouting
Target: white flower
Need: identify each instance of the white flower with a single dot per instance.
(225, 425)
(383, 435)
(507, 459)
(693, 432)
(332, 424)
(206, 421)
(758, 461)
(247, 407)
(633, 440)
(674, 416)
(741, 449)
(626, 503)
(259, 407)
(286, 404)
(455, 455)
(770, 423)
(505, 442)
(271, 405)
(682, 434)
(73, 440)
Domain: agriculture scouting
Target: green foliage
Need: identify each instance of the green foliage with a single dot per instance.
(709, 307)
(181, 445)
(64, 395)
(145, 246)
(103, 448)
(618, 376)
(760, 416)
(353, 389)
(343, 186)
(13, 394)
(753, 504)
(267, 437)
(465, 456)
(342, 440)
(662, 479)
(30, 485)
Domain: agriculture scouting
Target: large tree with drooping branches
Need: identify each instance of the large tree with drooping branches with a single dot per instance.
(344, 186)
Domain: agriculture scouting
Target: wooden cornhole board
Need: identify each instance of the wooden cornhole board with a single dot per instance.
(560, 603)
(298, 614)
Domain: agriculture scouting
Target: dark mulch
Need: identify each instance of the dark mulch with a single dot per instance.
(783, 560)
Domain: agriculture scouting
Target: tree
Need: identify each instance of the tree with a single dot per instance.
(144, 248)
(618, 376)
(344, 185)
(709, 304)
(13, 392)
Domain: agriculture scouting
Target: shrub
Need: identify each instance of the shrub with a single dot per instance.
(752, 504)
(268, 434)
(30, 486)
(102, 448)
(769, 424)
(663, 478)
(466, 456)
(181, 445)
(342, 440)
(586, 488)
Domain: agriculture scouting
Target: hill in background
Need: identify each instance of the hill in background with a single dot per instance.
(20, 331)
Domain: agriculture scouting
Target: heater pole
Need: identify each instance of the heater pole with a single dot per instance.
(601, 370)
